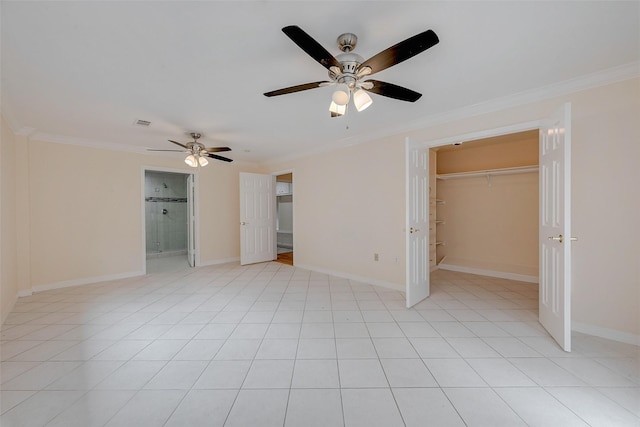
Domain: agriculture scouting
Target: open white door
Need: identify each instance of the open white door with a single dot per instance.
(417, 225)
(555, 227)
(257, 218)
(191, 221)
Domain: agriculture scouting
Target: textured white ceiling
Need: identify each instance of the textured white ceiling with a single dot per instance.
(83, 72)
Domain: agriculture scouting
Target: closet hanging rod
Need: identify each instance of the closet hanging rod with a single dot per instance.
(501, 171)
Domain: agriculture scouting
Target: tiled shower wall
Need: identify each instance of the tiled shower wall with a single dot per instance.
(166, 233)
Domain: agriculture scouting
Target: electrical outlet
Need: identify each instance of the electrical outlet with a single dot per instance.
(376, 257)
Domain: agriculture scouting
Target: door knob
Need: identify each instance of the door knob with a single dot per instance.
(243, 223)
(560, 238)
(413, 230)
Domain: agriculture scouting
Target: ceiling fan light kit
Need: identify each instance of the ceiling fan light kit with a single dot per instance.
(337, 109)
(197, 153)
(348, 70)
(361, 100)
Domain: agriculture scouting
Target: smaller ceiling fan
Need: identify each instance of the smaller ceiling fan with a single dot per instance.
(198, 153)
(349, 70)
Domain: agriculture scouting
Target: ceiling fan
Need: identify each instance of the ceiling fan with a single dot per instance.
(349, 70)
(198, 153)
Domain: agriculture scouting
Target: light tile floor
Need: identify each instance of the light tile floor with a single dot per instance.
(273, 345)
(167, 264)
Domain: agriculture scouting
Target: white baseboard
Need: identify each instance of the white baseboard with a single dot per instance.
(490, 273)
(84, 281)
(367, 280)
(610, 334)
(218, 261)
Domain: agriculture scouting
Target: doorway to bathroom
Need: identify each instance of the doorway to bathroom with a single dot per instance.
(169, 217)
(284, 218)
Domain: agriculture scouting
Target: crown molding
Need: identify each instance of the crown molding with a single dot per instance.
(84, 142)
(585, 82)
(589, 81)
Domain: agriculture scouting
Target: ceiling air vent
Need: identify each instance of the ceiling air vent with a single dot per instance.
(142, 122)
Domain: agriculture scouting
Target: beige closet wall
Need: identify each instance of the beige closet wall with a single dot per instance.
(491, 224)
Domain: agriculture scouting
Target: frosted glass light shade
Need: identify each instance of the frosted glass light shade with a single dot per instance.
(337, 110)
(340, 97)
(362, 100)
(203, 161)
(191, 161)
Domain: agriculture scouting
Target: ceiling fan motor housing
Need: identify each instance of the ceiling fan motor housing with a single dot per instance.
(347, 42)
(350, 62)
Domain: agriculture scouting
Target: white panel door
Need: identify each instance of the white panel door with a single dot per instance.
(191, 222)
(257, 218)
(555, 227)
(417, 224)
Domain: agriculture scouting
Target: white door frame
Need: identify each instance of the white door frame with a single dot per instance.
(191, 219)
(196, 205)
(487, 133)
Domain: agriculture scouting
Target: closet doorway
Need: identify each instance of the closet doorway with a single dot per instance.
(284, 218)
(169, 221)
(554, 220)
(486, 206)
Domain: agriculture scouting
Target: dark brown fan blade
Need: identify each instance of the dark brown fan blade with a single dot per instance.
(177, 143)
(293, 89)
(312, 47)
(393, 91)
(401, 51)
(213, 156)
(175, 151)
(216, 149)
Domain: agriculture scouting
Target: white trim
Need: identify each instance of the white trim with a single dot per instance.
(26, 293)
(490, 273)
(366, 280)
(85, 281)
(293, 210)
(610, 334)
(86, 142)
(219, 261)
(485, 133)
(585, 82)
(600, 78)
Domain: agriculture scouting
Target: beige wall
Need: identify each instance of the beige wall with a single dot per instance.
(350, 203)
(8, 235)
(86, 215)
(605, 203)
